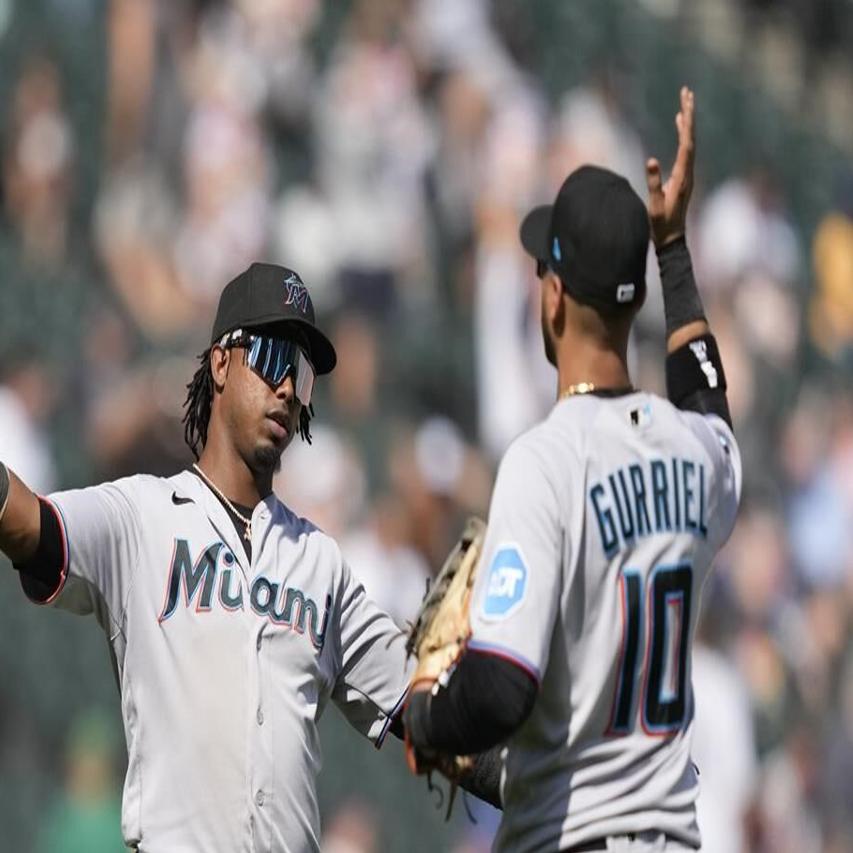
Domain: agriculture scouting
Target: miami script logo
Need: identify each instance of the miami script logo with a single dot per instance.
(214, 579)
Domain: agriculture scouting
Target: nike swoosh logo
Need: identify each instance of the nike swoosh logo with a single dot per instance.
(177, 500)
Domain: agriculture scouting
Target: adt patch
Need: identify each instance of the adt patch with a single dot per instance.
(506, 583)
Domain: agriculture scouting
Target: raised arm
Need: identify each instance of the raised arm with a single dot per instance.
(694, 370)
(20, 525)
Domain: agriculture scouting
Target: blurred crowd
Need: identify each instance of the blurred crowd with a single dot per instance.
(386, 150)
(825, 26)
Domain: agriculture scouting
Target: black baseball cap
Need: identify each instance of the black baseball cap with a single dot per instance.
(270, 295)
(595, 237)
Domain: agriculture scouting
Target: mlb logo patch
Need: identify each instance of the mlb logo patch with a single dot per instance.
(640, 417)
(506, 583)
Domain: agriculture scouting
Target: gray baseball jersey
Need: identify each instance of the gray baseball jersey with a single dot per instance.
(604, 521)
(224, 666)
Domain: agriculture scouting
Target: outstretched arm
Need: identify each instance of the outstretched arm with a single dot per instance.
(20, 525)
(694, 370)
(30, 536)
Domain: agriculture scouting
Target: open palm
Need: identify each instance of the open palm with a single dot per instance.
(668, 201)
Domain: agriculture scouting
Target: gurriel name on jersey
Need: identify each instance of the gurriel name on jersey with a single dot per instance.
(643, 499)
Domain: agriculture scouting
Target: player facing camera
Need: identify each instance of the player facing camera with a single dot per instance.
(265, 316)
(232, 621)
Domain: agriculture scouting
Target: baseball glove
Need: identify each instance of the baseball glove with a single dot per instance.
(440, 635)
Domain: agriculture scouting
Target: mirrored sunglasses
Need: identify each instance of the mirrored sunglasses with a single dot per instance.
(274, 359)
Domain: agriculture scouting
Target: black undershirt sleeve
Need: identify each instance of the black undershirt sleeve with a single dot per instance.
(708, 401)
(485, 701)
(695, 380)
(43, 571)
(681, 301)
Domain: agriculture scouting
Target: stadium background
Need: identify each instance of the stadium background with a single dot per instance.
(385, 149)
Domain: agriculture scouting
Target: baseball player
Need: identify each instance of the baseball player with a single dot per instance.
(603, 524)
(232, 622)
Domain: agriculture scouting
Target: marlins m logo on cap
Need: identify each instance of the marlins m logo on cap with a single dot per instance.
(297, 293)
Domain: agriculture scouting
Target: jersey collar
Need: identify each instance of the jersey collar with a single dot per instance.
(187, 484)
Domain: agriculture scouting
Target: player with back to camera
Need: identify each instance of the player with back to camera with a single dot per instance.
(603, 524)
(232, 622)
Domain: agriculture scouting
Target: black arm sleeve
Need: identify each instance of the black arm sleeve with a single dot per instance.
(695, 379)
(43, 571)
(485, 701)
(694, 372)
(681, 301)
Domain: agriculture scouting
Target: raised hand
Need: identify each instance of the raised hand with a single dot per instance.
(668, 201)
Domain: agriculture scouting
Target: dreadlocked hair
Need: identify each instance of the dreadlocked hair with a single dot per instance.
(199, 403)
(304, 428)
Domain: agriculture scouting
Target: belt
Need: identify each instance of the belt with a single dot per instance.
(601, 843)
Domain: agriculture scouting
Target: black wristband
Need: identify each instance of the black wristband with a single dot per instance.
(696, 366)
(416, 718)
(681, 301)
(4, 488)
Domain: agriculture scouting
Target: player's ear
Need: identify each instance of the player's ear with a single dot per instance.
(552, 298)
(219, 359)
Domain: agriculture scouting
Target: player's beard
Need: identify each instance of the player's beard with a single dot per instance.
(267, 460)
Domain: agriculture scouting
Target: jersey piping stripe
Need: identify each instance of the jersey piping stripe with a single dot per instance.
(63, 575)
(510, 655)
(390, 718)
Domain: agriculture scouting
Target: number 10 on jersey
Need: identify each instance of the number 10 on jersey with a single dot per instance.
(652, 666)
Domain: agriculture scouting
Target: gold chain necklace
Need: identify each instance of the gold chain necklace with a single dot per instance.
(587, 388)
(580, 388)
(213, 486)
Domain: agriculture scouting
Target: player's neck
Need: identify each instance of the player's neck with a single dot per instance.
(588, 361)
(231, 475)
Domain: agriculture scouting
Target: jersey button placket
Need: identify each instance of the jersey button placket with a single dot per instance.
(259, 713)
(260, 740)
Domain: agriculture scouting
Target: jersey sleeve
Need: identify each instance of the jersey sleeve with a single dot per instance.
(721, 446)
(517, 590)
(374, 673)
(100, 533)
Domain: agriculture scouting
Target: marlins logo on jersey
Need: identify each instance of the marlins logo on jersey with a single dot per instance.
(225, 663)
(284, 605)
